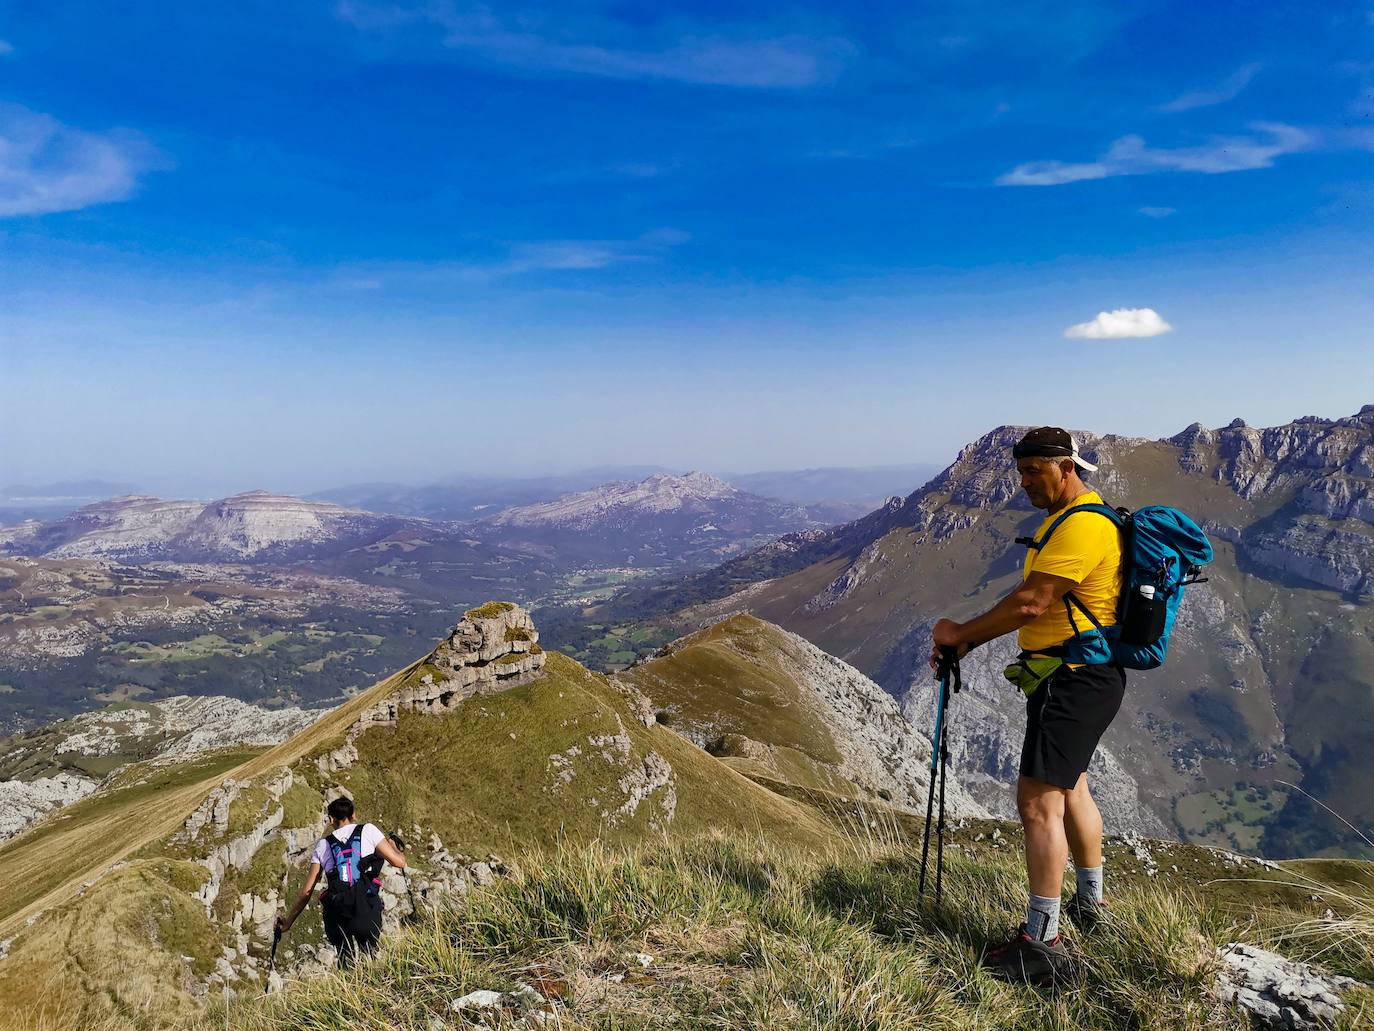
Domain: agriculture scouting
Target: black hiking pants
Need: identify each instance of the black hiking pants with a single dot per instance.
(353, 930)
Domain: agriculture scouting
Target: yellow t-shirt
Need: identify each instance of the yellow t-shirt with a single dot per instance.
(1087, 550)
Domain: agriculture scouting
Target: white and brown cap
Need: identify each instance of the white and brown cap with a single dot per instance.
(1051, 442)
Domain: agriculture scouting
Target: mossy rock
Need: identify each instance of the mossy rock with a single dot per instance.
(490, 610)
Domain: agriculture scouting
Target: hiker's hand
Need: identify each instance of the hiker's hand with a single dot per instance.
(282, 926)
(947, 634)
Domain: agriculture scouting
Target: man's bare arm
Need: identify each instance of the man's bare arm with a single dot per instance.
(1030, 600)
(303, 900)
(392, 854)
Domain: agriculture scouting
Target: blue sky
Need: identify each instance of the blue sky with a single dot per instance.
(297, 245)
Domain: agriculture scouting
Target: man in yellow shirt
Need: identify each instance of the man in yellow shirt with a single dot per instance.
(1075, 573)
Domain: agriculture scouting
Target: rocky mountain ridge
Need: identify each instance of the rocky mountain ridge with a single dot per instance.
(613, 504)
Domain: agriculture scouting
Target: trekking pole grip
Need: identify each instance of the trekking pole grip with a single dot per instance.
(949, 659)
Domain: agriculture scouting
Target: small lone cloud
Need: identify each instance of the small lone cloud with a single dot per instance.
(1153, 212)
(6, 48)
(1120, 325)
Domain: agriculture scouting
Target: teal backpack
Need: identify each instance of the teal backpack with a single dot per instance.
(1162, 552)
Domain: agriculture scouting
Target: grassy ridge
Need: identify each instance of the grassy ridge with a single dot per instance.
(745, 935)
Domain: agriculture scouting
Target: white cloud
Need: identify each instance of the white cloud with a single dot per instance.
(602, 47)
(1131, 156)
(1228, 90)
(6, 47)
(1119, 325)
(1150, 211)
(46, 166)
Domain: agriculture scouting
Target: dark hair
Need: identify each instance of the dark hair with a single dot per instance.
(340, 809)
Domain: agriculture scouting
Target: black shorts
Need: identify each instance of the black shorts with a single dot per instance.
(1066, 718)
(353, 930)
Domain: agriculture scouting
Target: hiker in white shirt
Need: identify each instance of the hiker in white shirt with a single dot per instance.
(350, 858)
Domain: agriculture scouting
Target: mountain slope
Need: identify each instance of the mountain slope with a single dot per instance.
(777, 708)
(49, 767)
(486, 744)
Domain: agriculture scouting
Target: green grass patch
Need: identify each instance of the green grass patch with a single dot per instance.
(490, 610)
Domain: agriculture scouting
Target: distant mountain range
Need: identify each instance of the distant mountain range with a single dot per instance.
(1269, 680)
(841, 492)
(863, 487)
(662, 520)
(264, 596)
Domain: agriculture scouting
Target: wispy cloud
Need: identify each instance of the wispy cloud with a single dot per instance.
(601, 46)
(46, 166)
(552, 256)
(6, 47)
(1130, 155)
(1228, 90)
(1120, 325)
(1149, 211)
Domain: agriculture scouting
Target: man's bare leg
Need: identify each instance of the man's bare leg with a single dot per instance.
(1083, 825)
(1041, 807)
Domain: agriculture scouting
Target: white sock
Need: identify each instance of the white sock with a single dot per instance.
(1089, 882)
(1042, 918)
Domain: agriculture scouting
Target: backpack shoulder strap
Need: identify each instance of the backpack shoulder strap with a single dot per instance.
(1103, 510)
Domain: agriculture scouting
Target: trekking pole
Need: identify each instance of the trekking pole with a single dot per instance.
(947, 672)
(272, 959)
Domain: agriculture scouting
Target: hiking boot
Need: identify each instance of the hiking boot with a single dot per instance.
(1085, 913)
(1026, 960)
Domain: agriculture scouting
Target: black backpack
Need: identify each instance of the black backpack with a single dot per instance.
(354, 881)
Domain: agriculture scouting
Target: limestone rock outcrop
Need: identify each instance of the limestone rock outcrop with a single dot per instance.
(1277, 992)
(493, 647)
